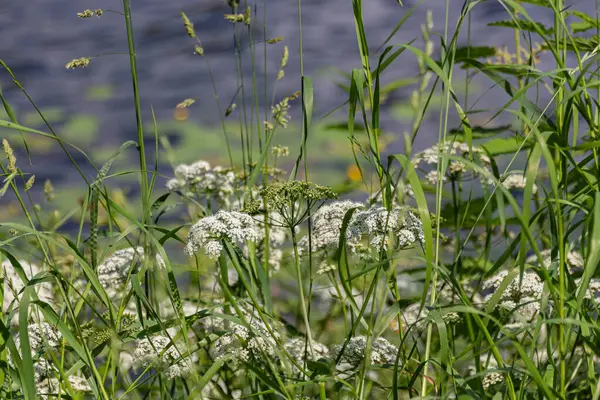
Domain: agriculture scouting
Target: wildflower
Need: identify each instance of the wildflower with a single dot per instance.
(47, 385)
(326, 268)
(298, 350)
(10, 156)
(517, 181)
(294, 200)
(114, 272)
(326, 227)
(85, 14)
(456, 168)
(82, 62)
(521, 298)
(208, 233)
(161, 352)
(14, 285)
(186, 103)
(574, 261)
(201, 180)
(382, 352)
(377, 223)
(246, 343)
(275, 241)
(189, 27)
(280, 151)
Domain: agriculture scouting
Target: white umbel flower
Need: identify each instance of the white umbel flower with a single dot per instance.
(13, 285)
(575, 262)
(517, 181)
(114, 272)
(429, 157)
(327, 225)
(160, 352)
(207, 233)
(521, 297)
(298, 350)
(382, 352)
(377, 223)
(200, 179)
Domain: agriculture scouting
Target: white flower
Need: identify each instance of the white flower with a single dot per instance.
(326, 226)
(382, 351)
(377, 224)
(326, 268)
(13, 286)
(42, 336)
(575, 262)
(430, 157)
(517, 181)
(202, 180)
(521, 297)
(242, 343)
(160, 352)
(298, 350)
(113, 273)
(207, 233)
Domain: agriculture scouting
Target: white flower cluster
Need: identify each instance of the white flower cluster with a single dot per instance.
(521, 297)
(517, 181)
(298, 350)
(159, 351)
(414, 317)
(113, 273)
(374, 224)
(200, 179)
(575, 262)
(377, 223)
(382, 352)
(456, 168)
(13, 285)
(47, 385)
(326, 227)
(42, 336)
(208, 233)
(243, 343)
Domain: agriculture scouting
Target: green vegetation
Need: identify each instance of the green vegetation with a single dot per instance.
(466, 270)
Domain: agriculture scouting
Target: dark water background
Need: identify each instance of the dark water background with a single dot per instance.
(38, 37)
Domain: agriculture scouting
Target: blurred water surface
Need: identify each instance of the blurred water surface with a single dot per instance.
(39, 36)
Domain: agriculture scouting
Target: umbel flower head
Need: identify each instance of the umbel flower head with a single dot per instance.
(201, 181)
(245, 343)
(13, 286)
(160, 352)
(456, 169)
(113, 273)
(574, 261)
(517, 181)
(294, 200)
(382, 352)
(377, 224)
(208, 233)
(47, 384)
(298, 349)
(521, 299)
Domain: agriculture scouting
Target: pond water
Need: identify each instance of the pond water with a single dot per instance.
(40, 36)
